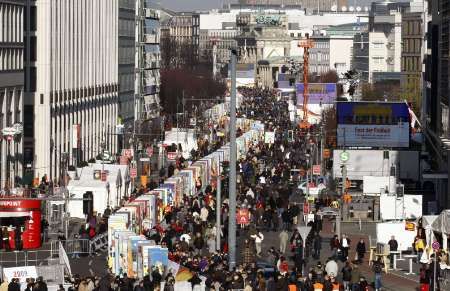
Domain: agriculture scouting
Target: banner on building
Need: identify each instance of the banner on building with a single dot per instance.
(318, 93)
(75, 136)
(373, 124)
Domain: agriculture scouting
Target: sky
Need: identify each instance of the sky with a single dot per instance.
(190, 5)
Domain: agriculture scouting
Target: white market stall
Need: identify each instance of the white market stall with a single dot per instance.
(90, 180)
(442, 225)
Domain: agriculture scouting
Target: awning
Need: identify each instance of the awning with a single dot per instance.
(15, 214)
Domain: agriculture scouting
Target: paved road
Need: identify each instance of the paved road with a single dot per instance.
(392, 281)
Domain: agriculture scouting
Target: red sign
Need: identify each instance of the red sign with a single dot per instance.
(150, 151)
(243, 216)
(316, 170)
(306, 208)
(20, 204)
(103, 176)
(129, 153)
(171, 155)
(133, 172)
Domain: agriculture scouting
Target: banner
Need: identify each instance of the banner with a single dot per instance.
(21, 273)
(64, 259)
(318, 93)
(373, 124)
(243, 216)
(269, 137)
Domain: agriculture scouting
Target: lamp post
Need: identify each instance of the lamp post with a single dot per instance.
(10, 134)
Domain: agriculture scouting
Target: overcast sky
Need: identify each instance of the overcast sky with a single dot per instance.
(190, 5)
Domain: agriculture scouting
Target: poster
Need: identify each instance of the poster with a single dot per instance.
(373, 124)
(243, 216)
(269, 137)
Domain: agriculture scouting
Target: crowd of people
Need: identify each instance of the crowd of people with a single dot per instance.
(265, 184)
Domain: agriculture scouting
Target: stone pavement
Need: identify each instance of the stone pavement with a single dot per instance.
(391, 281)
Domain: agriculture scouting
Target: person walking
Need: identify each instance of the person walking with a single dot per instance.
(346, 275)
(258, 237)
(419, 246)
(317, 246)
(393, 246)
(345, 243)
(378, 269)
(284, 238)
(355, 278)
(360, 250)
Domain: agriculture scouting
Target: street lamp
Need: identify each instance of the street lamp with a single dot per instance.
(12, 133)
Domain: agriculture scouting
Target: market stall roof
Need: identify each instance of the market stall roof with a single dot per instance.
(442, 222)
(427, 220)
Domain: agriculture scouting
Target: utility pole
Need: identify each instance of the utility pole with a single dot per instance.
(218, 207)
(233, 156)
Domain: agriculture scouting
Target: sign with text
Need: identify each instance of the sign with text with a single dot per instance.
(316, 170)
(318, 93)
(21, 273)
(373, 124)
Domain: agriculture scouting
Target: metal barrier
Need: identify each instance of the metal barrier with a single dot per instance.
(25, 258)
(72, 247)
(51, 274)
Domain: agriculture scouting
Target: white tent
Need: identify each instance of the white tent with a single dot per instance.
(442, 225)
(87, 182)
(427, 222)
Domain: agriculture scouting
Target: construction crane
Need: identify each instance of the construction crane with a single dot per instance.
(306, 44)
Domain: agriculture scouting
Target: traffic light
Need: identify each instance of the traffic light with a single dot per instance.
(88, 203)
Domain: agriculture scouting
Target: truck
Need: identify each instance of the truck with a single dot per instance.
(377, 163)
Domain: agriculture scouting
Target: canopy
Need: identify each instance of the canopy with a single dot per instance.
(442, 225)
(442, 222)
(427, 220)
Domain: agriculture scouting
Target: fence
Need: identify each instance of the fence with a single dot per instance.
(26, 258)
(72, 247)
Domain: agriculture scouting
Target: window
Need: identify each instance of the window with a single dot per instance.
(378, 45)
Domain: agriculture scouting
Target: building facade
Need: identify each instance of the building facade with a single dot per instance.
(379, 49)
(148, 58)
(73, 81)
(412, 59)
(11, 88)
(126, 52)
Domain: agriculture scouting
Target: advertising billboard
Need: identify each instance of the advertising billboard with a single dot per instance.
(373, 124)
(319, 93)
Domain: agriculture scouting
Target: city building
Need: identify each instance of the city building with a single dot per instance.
(126, 52)
(316, 5)
(412, 58)
(378, 50)
(183, 27)
(12, 95)
(72, 82)
(148, 58)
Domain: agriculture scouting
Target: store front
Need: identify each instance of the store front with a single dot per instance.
(20, 222)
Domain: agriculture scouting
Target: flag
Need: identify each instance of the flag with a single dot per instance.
(64, 259)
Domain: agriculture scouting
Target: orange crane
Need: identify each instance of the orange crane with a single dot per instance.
(306, 44)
